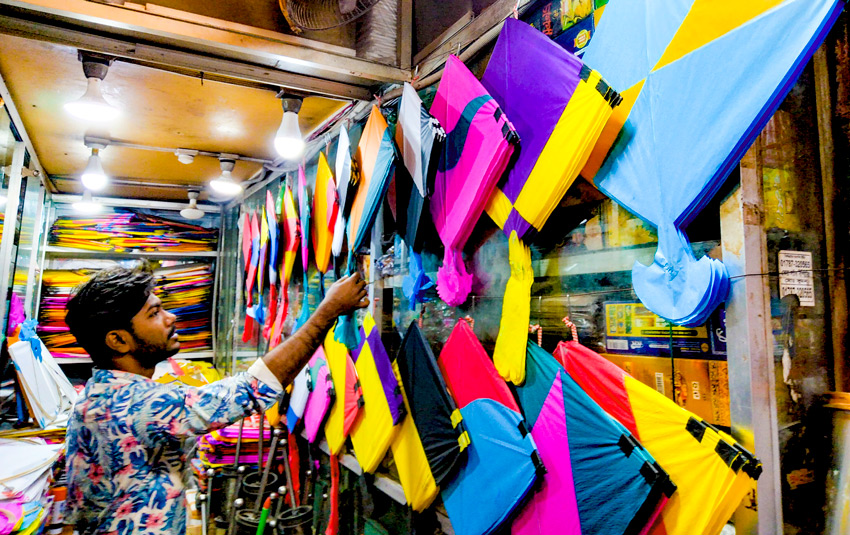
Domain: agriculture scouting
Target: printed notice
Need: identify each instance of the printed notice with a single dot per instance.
(795, 276)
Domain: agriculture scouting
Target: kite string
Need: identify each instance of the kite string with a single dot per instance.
(471, 321)
(536, 328)
(793, 272)
(572, 327)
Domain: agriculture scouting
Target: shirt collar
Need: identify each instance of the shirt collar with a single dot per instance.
(117, 377)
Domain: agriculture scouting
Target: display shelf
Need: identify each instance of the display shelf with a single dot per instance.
(73, 360)
(194, 355)
(70, 252)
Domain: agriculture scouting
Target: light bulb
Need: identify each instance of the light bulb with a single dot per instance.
(87, 205)
(225, 186)
(92, 106)
(288, 141)
(93, 177)
(192, 211)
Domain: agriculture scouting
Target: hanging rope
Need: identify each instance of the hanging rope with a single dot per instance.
(470, 321)
(572, 327)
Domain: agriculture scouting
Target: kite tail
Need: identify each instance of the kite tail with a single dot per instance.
(249, 327)
(322, 284)
(277, 331)
(272, 315)
(416, 282)
(305, 305)
(453, 281)
(333, 521)
(346, 330)
(295, 468)
(509, 354)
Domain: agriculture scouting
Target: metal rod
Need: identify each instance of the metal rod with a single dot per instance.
(240, 475)
(239, 443)
(288, 471)
(202, 504)
(210, 475)
(281, 491)
(265, 478)
(237, 504)
(260, 440)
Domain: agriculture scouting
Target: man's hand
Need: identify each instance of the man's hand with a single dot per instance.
(345, 296)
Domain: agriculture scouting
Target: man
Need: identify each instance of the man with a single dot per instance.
(129, 437)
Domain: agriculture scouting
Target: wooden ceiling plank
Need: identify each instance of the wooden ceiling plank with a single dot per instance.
(217, 41)
(152, 55)
(490, 17)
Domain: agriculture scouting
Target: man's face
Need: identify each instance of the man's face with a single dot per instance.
(153, 330)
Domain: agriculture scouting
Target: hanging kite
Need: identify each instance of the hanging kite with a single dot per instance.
(439, 423)
(325, 210)
(479, 144)
(249, 329)
(599, 478)
(349, 396)
(376, 159)
(304, 212)
(503, 463)
(322, 395)
(291, 236)
(695, 75)
(274, 240)
(298, 398)
(414, 472)
(383, 405)
(259, 310)
(711, 471)
(346, 187)
(559, 126)
(420, 139)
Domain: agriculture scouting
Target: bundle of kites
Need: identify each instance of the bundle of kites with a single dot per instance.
(185, 291)
(128, 230)
(575, 445)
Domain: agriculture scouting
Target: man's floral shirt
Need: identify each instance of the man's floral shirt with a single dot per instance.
(130, 440)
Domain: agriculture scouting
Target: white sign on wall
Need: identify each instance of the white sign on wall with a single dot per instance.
(795, 276)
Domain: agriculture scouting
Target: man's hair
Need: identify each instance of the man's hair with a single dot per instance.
(106, 302)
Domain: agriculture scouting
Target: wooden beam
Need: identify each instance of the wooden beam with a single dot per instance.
(834, 258)
(224, 70)
(490, 18)
(213, 41)
(443, 37)
(405, 33)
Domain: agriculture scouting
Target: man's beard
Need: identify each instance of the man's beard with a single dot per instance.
(149, 355)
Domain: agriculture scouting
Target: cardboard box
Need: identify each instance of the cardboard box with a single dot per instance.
(632, 329)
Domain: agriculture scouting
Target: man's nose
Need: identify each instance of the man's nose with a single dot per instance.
(170, 317)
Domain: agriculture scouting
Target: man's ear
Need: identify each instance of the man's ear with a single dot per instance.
(119, 341)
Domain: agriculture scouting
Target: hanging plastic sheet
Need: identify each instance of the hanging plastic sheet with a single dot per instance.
(420, 140)
(559, 107)
(291, 237)
(376, 160)
(711, 471)
(692, 73)
(438, 421)
(349, 396)
(322, 395)
(599, 478)
(325, 210)
(383, 405)
(479, 144)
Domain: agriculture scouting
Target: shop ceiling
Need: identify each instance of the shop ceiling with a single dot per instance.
(194, 75)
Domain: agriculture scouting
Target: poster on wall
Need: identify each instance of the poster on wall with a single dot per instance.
(570, 23)
(795, 276)
(630, 328)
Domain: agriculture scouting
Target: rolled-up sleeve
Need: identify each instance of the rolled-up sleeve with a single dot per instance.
(178, 411)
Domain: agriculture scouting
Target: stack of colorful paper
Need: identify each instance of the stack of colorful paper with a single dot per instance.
(56, 289)
(219, 447)
(186, 291)
(128, 230)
